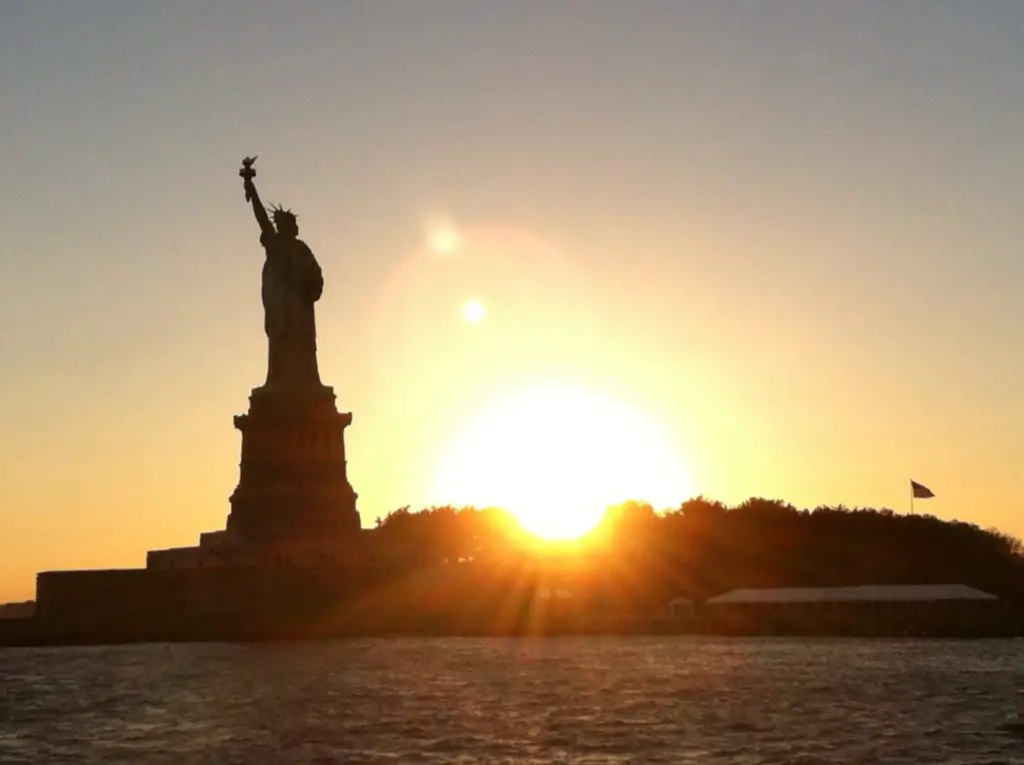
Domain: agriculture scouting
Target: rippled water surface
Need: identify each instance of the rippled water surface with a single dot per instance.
(599, 700)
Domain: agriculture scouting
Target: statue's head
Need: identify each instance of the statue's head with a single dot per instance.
(285, 222)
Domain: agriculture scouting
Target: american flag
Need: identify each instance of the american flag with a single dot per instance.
(920, 491)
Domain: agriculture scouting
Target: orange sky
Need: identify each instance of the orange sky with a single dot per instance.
(781, 247)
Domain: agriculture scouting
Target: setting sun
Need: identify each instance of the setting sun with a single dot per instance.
(558, 457)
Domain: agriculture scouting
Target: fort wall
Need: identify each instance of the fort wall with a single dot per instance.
(225, 601)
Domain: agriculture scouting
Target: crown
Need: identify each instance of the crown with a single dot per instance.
(279, 213)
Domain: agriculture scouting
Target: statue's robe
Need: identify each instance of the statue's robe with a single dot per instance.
(292, 283)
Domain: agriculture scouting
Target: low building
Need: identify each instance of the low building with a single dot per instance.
(24, 610)
(681, 608)
(943, 609)
(221, 548)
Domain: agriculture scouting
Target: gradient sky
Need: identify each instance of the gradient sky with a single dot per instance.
(788, 232)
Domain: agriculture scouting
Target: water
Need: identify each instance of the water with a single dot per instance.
(599, 700)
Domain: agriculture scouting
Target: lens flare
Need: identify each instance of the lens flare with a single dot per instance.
(444, 240)
(474, 312)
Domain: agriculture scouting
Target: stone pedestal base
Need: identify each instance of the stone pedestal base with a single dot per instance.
(293, 503)
(293, 484)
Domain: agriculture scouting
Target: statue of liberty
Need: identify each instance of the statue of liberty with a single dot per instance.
(292, 283)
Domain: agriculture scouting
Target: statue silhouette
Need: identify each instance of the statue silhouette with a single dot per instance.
(292, 283)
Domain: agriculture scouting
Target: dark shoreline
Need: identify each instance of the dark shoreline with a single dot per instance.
(28, 633)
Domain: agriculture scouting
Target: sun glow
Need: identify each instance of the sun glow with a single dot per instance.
(558, 458)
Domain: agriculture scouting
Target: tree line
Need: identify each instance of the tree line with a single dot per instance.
(705, 547)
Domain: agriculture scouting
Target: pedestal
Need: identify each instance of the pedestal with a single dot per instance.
(293, 486)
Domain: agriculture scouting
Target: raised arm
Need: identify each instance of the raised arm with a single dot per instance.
(251, 195)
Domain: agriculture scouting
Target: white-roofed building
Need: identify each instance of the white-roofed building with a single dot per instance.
(919, 593)
(930, 609)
